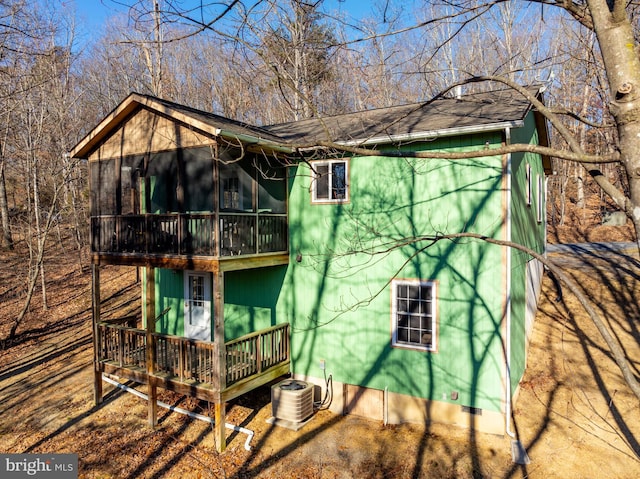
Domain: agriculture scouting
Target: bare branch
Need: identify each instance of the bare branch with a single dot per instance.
(612, 343)
(447, 155)
(580, 118)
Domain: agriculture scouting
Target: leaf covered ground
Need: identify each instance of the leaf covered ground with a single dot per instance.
(574, 415)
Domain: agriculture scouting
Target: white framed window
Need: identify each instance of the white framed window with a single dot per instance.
(413, 314)
(330, 181)
(541, 195)
(529, 184)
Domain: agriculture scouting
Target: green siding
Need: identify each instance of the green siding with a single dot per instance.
(338, 297)
(250, 300)
(527, 231)
(170, 297)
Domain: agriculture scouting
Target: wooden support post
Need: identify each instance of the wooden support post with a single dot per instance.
(150, 350)
(95, 304)
(153, 402)
(219, 417)
(220, 359)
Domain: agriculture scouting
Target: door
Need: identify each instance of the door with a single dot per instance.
(197, 305)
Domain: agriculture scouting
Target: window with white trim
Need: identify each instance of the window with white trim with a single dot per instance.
(529, 184)
(330, 181)
(413, 317)
(541, 196)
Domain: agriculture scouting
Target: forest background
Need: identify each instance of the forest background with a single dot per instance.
(263, 63)
(272, 61)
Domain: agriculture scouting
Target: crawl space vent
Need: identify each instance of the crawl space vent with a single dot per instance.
(292, 400)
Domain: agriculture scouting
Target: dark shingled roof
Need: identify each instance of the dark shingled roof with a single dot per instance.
(473, 111)
(440, 117)
(217, 121)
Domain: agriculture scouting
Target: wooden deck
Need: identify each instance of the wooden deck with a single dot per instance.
(187, 366)
(210, 235)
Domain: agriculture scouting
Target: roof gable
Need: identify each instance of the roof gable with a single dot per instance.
(145, 131)
(191, 123)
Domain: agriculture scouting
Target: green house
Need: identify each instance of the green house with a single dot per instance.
(289, 249)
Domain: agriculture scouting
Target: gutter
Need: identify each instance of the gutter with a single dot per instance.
(252, 140)
(430, 135)
(180, 410)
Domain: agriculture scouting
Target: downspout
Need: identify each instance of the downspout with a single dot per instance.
(509, 432)
(180, 410)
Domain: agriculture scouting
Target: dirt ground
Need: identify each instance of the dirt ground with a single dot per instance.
(574, 415)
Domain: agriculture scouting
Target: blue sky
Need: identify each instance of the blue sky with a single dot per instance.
(93, 13)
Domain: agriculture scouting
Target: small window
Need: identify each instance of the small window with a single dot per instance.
(330, 181)
(541, 197)
(529, 184)
(414, 314)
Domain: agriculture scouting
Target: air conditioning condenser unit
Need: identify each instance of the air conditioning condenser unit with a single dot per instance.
(292, 400)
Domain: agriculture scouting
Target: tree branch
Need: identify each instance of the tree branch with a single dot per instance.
(503, 150)
(612, 343)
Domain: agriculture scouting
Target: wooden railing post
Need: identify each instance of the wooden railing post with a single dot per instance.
(259, 353)
(288, 341)
(150, 350)
(220, 363)
(181, 360)
(121, 347)
(181, 229)
(147, 233)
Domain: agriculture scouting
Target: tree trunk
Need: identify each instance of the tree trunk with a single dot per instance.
(39, 233)
(7, 239)
(580, 203)
(622, 65)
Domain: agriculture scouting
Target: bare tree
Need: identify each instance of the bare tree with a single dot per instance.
(37, 114)
(15, 29)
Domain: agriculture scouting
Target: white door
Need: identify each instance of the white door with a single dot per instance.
(197, 305)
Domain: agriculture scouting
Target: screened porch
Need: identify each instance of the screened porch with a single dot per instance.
(188, 202)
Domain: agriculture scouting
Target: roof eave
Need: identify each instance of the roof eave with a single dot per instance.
(254, 141)
(430, 135)
(85, 146)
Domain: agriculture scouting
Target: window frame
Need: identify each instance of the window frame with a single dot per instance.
(529, 184)
(541, 197)
(395, 343)
(315, 178)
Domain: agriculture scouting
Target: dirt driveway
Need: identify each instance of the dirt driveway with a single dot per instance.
(574, 415)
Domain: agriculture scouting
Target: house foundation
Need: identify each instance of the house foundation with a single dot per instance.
(394, 408)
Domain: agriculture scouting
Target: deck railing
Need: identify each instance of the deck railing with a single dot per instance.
(190, 234)
(188, 360)
(256, 352)
(122, 345)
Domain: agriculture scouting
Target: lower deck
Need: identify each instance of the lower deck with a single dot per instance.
(189, 366)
